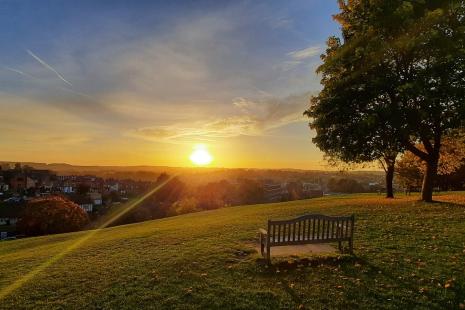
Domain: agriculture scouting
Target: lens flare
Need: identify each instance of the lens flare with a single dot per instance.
(119, 212)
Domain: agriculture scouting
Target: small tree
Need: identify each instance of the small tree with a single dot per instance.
(250, 191)
(183, 206)
(51, 215)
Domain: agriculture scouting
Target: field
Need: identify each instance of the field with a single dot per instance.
(408, 255)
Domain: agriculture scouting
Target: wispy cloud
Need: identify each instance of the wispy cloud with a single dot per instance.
(19, 72)
(210, 130)
(281, 23)
(305, 53)
(47, 66)
(253, 118)
(297, 59)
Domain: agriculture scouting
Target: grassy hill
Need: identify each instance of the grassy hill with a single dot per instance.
(408, 255)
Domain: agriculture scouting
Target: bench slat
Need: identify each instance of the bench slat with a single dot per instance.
(317, 236)
(274, 233)
(293, 232)
(313, 229)
(303, 229)
(347, 228)
(332, 229)
(288, 232)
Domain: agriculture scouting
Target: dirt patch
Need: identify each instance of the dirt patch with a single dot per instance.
(300, 250)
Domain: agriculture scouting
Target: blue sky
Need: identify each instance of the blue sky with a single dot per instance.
(141, 82)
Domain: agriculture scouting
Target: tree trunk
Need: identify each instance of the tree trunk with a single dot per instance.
(389, 180)
(428, 179)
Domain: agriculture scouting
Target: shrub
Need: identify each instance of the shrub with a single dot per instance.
(183, 206)
(51, 215)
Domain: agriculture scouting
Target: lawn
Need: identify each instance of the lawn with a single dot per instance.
(407, 255)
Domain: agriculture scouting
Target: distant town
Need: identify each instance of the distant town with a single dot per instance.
(96, 195)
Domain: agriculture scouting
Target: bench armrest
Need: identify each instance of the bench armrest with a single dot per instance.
(262, 231)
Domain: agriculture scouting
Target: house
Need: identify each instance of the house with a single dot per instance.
(18, 182)
(312, 190)
(96, 198)
(42, 177)
(27, 178)
(87, 206)
(273, 191)
(67, 189)
(9, 214)
(3, 185)
(112, 186)
(83, 201)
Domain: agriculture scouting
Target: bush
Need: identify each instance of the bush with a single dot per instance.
(51, 215)
(183, 206)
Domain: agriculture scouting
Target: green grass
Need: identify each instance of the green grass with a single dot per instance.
(408, 255)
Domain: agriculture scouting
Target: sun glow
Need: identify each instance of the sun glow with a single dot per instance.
(200, 156)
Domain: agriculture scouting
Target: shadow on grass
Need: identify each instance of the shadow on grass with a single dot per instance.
(373, 272)
(444, 203)
(294, 262)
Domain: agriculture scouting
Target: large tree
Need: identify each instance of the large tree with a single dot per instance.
(396, 79)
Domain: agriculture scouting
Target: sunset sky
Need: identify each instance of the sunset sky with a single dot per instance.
(143, 83)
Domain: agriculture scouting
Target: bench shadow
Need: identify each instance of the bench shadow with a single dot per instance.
(295, 262)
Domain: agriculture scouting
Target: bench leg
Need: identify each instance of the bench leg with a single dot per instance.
(340, 247)
(268, 254)
(262, 245)
(351, 246)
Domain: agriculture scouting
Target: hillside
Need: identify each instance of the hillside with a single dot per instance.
(408, 255)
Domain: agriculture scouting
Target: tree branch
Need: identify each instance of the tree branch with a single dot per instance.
(428, 146)
(423, 155)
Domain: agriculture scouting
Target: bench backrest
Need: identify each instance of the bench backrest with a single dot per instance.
(312, 228)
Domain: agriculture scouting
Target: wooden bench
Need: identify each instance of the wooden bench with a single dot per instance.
(307, 229)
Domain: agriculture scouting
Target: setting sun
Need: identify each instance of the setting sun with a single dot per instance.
(200, 156)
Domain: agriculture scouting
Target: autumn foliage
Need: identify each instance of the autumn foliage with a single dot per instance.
(452, 157)
(51, 215)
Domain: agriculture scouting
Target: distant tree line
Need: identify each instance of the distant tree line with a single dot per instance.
(345, 185)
